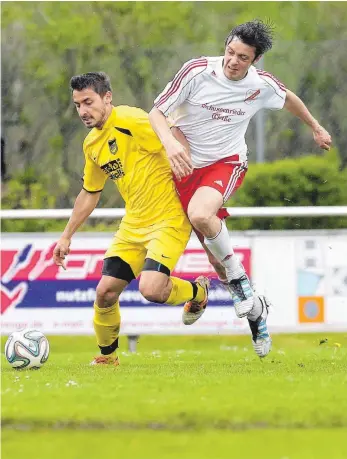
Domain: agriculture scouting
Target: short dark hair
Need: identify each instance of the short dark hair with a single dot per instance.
(254, 33)
(98, 81)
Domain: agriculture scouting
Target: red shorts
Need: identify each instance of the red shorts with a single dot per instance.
(225, 176)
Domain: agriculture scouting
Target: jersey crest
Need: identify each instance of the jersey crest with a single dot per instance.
(112, 144)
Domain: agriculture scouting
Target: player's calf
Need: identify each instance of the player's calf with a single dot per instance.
(217, 266)
(155, 286)
(159, 287)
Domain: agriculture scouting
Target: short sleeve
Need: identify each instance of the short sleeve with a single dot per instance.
(276, 92)
(179, 89)
(93, 177)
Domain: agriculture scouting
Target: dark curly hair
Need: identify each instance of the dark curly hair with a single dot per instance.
(254, 33)
(98, 81)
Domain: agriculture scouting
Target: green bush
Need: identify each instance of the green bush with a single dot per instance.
(27, 190)
(307, 181)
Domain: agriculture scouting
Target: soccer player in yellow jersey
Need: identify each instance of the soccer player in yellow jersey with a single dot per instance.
(154, 232)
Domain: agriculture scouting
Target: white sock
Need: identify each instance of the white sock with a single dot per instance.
(221, 248)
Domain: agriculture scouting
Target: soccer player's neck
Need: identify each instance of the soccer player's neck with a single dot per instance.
(103, 121)
(237, 79)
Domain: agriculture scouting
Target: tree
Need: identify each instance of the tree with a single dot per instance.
(141, 45)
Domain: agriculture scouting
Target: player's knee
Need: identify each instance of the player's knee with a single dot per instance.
(105, 297)
(199, 219)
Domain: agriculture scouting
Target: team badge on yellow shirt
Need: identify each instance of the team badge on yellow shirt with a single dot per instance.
(112, 144)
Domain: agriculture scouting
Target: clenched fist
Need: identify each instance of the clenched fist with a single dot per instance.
(322, 137)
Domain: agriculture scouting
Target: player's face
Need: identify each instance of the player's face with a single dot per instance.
(238, 58)
(92, 108)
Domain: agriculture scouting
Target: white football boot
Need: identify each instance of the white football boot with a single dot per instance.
(261, 338)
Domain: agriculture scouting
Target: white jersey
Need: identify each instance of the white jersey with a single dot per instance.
(212, 111)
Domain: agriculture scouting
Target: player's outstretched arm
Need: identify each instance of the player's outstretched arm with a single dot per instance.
(296, 106)
(178, 155)
(84, 205)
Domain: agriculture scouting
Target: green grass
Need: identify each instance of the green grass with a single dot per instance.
(187, 397)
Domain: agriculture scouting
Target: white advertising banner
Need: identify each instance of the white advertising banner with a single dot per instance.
(303, 273)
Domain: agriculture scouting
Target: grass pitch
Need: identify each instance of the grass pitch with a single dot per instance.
(181, 397)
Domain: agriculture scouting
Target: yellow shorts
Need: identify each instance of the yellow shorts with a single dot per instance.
(163, 242)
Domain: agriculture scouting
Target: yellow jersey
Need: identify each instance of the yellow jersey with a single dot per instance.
(128, 151)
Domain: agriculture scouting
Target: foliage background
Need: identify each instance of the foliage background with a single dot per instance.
(141, 45)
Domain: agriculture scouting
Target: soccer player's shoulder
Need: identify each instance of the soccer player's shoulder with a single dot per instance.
(266, 78)
(197, 63)
(125, 113)
(213, 60)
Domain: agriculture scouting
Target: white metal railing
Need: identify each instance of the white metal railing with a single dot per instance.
(319, 211)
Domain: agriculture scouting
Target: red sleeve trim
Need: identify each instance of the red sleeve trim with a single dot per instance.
(179, 78)
(269, 75)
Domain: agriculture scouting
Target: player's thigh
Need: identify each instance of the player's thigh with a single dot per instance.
(154, 284)
(217, 183)
(125, 256)
(168, 243)
(164, 250)
(225, 177)
(186, 187)
(205, 202)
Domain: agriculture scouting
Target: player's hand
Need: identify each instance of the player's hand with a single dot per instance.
(60, 251)
(179, 159)
(322, 137)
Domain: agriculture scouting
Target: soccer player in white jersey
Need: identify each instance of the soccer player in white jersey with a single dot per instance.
(210, 103)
